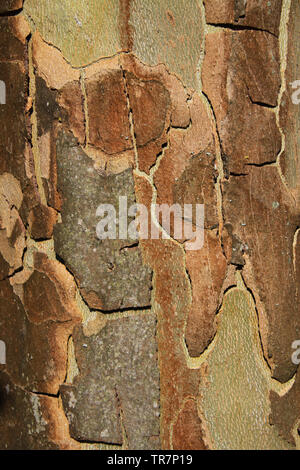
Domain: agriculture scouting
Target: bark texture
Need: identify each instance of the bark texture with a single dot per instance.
(146, 344)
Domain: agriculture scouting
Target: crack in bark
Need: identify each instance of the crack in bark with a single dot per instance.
(261, 165)
(235, 27)
(34, 130)
(11, 13)
(124, 444)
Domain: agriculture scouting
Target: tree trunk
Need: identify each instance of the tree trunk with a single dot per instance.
(168, 330)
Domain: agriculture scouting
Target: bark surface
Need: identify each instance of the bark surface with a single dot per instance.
(146, 344)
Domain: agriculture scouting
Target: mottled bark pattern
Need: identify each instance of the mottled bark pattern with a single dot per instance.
(120, 393)
(145, 344)
(110, 273)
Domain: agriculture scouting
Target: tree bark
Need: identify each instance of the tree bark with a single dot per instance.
(155, 342)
